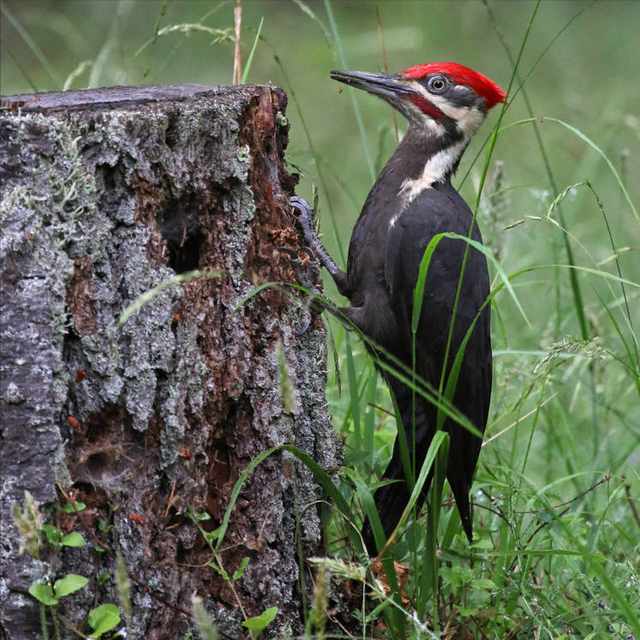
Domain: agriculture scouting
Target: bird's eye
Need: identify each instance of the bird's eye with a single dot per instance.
(437, 84)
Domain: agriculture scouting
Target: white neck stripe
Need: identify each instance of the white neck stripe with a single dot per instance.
(436, 169)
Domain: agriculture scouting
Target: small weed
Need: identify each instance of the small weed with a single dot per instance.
(255, 624)
(102, 619)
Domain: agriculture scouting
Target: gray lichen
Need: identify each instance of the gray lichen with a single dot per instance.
(101, 204)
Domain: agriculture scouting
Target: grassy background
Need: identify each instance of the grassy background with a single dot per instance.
(568, 382)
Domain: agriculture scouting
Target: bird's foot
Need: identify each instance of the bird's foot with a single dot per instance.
(307, 225)
(306, 279)
(305, 219)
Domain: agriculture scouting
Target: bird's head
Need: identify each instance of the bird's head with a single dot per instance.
(439, 98)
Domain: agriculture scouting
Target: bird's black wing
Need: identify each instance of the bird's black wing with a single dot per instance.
(435, 211)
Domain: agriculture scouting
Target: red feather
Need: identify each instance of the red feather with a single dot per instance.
(484, 87)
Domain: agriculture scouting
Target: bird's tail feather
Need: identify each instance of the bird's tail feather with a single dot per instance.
(391, 499)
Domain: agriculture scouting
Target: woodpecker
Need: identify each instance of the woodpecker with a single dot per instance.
(411, 202)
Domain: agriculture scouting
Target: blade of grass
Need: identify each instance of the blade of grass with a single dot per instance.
(386, 361)
(418, 292)
(492, 143)
(353, 395)
(31, 43)
(122, 11)
(154, 292)
(22, 70)
(575, 285)
(157, 33)
(370, 416)
(597, 566)
(321, 476)
(292, 95)
(352, 94)
(245, 73)
(77, 72)
(440, 439)
(428, 585)
(385, 66)
(596, 148)
(617, 263)
(307, 9)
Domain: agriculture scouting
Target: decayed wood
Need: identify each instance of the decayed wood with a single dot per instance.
(106, 194)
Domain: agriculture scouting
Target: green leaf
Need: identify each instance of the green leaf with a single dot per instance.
(484, 583)
(103, 619)
(355, 458)
(69, 584)
(479, 598)
(79, 506)
(482, 544)
(219, 570)
(212, 536)
(104, 526)
(73, 539)
(52, 534)
(43, 593)
(240, 570)
(103, 577)
(258, 623)
(451, 577)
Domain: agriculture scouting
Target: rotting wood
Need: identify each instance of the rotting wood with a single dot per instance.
(105, 194)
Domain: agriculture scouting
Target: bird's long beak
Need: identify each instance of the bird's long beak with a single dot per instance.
(386, 86)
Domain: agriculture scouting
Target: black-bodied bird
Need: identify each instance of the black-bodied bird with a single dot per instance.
(411, 202)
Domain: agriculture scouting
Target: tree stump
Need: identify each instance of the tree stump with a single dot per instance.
(107, 194)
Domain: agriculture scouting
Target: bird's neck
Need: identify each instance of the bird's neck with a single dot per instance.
(420, 162)
(427, 160)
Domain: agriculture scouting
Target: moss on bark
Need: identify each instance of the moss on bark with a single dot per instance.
(106, 194)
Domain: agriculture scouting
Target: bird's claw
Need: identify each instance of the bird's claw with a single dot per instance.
(303, 279)
(301, 205)
(315, 247)
(309, 252)
(293, 256)
(305, 219)
(307, 275)
(298, 267)
(313, 266)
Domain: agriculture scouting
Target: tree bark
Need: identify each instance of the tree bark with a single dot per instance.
(106, 194)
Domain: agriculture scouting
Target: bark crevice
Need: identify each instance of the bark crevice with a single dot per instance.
(105, 195)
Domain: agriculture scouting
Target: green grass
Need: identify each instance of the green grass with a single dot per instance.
(556, 519)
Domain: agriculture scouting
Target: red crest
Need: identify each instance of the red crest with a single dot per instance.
(484, 87)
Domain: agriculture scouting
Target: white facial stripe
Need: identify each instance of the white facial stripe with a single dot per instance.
(433, 126)
(441, 164)
(435, 170)
(468, 120)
